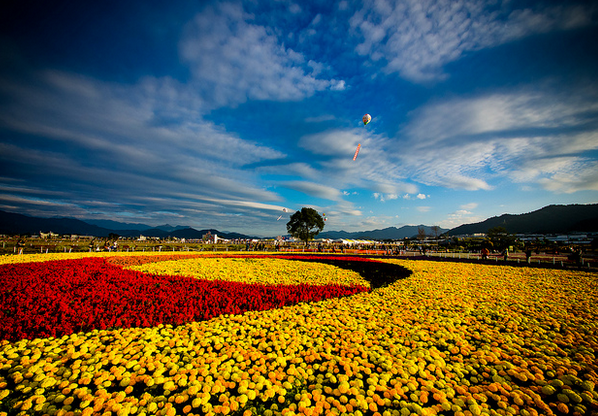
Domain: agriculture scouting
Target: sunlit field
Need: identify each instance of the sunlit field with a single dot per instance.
(290, 337)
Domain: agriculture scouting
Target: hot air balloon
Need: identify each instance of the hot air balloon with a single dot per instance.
(366, 119)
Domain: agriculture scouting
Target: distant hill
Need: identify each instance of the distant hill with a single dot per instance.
(13, 224)
(552, 219)
(390, 233)
(115, 225)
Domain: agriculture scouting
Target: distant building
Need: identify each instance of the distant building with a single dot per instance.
(48, 235)
(210, 238)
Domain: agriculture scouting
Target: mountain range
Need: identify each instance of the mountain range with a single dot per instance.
(390, 233)
(552, 219)
(12, 223)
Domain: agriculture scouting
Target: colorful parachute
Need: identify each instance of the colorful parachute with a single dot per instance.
(366, 119)
(357, 151)
(324, 215)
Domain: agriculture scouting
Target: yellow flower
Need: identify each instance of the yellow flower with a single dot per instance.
(436, 340)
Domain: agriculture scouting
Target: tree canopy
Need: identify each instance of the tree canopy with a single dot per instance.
(305, 224)
(500, 238)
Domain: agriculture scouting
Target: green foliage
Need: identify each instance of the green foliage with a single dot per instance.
(499, 238)
(305, 224)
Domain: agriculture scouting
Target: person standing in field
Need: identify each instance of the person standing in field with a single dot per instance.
(485, 253)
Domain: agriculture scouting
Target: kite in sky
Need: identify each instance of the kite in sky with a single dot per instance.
(366, 119)
(283, 210)
(357, 151)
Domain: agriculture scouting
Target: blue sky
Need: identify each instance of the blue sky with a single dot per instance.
(221, 114)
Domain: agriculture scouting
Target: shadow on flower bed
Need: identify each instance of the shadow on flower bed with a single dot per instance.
(377, 273)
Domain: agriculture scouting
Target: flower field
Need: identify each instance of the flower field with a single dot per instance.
(450, 339)
(256, 270)
(61, 297)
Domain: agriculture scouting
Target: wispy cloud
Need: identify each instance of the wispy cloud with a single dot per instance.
(300, 169)
(418, 37)
(470, 206)
(375, 168)
(315, 190)
(335, 142)
(459, 217)
(525, 135)
(234, 59)
(568, 176)
(219, 113)
(110, 140)
(384, 197)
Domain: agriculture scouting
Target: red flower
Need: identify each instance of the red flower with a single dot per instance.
(58, 298)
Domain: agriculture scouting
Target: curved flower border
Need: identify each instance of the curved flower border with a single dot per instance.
(57, 298)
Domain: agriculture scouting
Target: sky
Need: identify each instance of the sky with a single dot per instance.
(229, 114)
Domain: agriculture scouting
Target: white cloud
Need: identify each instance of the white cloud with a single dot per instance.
(460, 217)
(237, 203)
(470, 206)
(234, 60)
(337, 85)
(346, 208)
(314, 189)
(301, 169)
(334, 142)
(123, 122)
(144, 146)
(570, 176)
(423, 209)
(500, 112)
(384, 197)
(375, 168)
(466, 143)
(418, 37)
(525, 135)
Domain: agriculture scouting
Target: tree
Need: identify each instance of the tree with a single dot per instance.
(305, 224)
(436, 231)
(500, 237)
